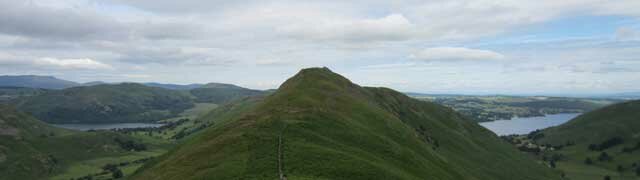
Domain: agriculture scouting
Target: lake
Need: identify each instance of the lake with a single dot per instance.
(86, 127)
(524, 125)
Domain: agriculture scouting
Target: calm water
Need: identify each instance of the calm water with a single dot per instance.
(528, 124)
(85, 127)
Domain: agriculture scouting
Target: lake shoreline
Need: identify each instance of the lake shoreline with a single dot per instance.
(524, 125)
(106, 126)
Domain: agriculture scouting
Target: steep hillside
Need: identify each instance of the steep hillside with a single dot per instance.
(319, 125)
(106, 103)
(32, 81)
(220, 93)
(30, 149)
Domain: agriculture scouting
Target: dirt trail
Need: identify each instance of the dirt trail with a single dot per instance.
(280, 155)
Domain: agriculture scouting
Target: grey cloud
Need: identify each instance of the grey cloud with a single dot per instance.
(27, 19)
(184, 6)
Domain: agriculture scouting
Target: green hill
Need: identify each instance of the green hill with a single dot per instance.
(127, 102)
(8, 94)
(31, 149)
(319, 125)
(219, 93)
(613, 130)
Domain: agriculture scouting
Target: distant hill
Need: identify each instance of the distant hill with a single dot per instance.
(8, 94)
(30, 149)
(220, 93)
(33, 81)
(500, 107)
(618, 120)
(319, 125)
(174, 86)
(627, 95)
(603, 142)
(106, 103)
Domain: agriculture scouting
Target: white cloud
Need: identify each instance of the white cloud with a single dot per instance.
(209, 40)
(52, 63)
(82, 63)
(455, 53)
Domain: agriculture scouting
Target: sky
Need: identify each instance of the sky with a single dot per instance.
(540, 47)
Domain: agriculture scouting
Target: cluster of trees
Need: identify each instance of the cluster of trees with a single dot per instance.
(631, 149)
(428, 138)
(113, 169)
(130, 145)
(603, 157)
(553, 159)
(537, 134)
(50, 134)
(606, 144)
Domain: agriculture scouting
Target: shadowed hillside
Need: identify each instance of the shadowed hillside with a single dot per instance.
(126, 102)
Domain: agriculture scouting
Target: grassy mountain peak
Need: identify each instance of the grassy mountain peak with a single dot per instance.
(319, 125)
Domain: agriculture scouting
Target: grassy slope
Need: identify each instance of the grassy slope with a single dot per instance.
(35, 150)
(619, 120)
(106, 104)
(333, 129)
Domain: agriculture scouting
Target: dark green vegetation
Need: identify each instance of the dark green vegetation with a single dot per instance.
(31, 149)
(490, 108)
(10, 93)
(220, 93)
(31, 81)
(127, 102)
(604, 142)
(330, 128)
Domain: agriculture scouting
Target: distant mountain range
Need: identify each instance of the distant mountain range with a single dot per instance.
(32, 81)
(50, 82)
(59, 101)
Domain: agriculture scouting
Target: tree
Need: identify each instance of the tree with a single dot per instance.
(620, 168)
(604, 157)
(117, 174)
(588, 161)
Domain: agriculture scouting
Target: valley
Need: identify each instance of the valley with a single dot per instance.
(319, 90)
(291, 123)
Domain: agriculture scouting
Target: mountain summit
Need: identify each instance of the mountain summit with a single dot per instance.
(320, 125)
